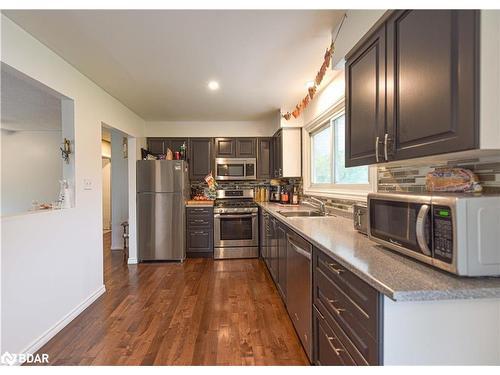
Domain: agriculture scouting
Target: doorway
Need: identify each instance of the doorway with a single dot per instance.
(115, 205)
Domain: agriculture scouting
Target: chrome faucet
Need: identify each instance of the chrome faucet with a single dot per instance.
(322, 207)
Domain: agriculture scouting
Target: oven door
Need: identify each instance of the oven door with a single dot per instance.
(235, 230)
(402, 223)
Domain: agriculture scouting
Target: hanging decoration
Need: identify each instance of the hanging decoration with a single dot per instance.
(311, 91)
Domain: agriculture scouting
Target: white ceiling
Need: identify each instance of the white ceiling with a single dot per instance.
(158, 62)
(26, 104)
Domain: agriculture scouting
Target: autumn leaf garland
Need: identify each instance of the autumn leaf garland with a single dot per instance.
(311, 91)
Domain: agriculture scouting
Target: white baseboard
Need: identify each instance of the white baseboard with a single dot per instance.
(132, 261)
(51, 332)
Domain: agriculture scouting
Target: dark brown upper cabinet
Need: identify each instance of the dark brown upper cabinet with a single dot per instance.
(156, 145)
(200, 157)
(246, 148)
(432, 70)
(365, 100)
(235, 148)
(412, 87)
(160, 145)
(264, 158)
(225, 147)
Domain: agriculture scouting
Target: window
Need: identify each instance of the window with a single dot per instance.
(328, 156)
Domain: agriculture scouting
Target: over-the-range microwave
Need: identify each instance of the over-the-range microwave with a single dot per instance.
(235, 169)
(458, 233)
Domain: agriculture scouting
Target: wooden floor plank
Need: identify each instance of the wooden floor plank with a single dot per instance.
(200, 312)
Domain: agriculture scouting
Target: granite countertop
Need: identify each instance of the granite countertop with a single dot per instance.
(396, 276)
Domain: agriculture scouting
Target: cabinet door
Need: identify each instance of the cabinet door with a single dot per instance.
(365, 100)
(278, 154)
(273, 256)
(175, 143)
(433, 75)
(246, 148)
(225, 147)
(200, 158)
(264, 158)
(282, 261)
(156, 145)
(199, 240)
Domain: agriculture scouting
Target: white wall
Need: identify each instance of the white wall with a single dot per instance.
(51, 262)
(119, 189)
(357, 23)
(262, 128)
(31, 169)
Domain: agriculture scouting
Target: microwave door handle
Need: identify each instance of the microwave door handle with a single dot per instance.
(420, 229)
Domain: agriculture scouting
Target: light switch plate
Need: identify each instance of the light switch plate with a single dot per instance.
(87, 184)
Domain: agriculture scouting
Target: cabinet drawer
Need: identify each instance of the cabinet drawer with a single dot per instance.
(356, 289)
(204, 211)
(199, 221)
(329, 350)
(199, 240)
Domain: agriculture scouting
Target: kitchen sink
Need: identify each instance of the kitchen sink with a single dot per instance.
(301, 213)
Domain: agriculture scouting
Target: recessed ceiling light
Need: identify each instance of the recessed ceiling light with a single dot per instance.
(309, 84)
(213, 85)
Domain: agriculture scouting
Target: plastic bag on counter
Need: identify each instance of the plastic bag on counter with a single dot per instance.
(452, 180)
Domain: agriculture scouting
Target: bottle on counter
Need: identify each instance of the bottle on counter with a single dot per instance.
(295, 196)
(182, 151)
(285, 196)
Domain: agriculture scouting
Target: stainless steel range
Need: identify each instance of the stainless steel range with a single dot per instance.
(236, 227)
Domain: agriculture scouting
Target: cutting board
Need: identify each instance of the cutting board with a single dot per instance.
(199, 203)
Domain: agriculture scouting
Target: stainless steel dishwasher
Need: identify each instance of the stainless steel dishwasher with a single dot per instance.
(299, 278)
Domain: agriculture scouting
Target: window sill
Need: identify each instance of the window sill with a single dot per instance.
(338, 193)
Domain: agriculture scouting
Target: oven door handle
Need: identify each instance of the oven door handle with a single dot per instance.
(420, 229)
(224, 216)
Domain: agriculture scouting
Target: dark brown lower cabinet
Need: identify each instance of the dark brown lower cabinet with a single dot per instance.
(199, 232)
(350, 308)
(346, 312)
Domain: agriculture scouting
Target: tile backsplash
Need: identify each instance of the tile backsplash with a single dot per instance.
(251, 184)
(411, 178)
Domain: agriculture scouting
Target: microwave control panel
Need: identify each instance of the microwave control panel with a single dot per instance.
(442, 233)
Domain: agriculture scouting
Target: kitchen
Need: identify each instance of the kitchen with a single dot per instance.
(366, 217)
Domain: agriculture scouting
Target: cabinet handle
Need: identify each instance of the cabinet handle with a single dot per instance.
(377, 141)
(337, 310)
(338, 271)
(200, 232)
(336, 350)
(386, 141)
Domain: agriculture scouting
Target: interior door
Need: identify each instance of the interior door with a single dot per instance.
(365, 101)
(433, 77)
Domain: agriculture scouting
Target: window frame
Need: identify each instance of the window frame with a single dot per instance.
(331, 190)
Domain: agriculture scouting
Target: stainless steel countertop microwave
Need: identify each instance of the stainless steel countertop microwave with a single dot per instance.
(458, 233)
(235, 169)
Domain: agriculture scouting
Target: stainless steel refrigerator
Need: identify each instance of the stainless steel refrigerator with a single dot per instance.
(162, 189)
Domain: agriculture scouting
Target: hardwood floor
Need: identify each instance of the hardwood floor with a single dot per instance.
(201, 312)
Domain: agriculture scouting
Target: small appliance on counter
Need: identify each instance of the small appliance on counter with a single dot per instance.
(458, 233)
(275, 194)
(360, 217)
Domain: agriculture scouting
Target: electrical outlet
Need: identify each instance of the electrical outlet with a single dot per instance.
(87, 184)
